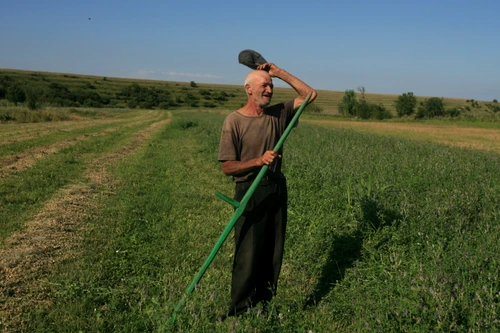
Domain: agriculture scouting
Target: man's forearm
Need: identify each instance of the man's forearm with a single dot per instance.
(234, 168)
(300, 87)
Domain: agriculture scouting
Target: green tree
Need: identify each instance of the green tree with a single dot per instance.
(405, 104)
(430, 108)
(347, 106)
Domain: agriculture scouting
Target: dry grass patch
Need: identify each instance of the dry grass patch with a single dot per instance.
(477, 138)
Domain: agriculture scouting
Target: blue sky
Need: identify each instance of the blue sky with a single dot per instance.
(431, 48)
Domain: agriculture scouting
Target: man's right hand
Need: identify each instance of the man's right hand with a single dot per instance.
(269, 157)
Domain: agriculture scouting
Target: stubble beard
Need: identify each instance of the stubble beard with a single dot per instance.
(263, 104)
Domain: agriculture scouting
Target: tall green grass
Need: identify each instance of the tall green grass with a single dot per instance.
(411, 228)
(384, 235)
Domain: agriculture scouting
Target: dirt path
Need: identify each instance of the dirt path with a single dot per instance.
(477, 138)
(54, 235)
(22, 161)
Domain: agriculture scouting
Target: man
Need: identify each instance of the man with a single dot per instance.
(248, 137)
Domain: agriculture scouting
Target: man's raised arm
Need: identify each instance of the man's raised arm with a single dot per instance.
(300, 87)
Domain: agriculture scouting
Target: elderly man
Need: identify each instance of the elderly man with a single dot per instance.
(248, 137)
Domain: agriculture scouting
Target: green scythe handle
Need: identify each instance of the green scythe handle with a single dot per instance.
(240, 208)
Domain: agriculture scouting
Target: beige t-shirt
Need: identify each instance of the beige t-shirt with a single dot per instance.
(244, 138)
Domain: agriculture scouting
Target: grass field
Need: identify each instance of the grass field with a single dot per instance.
(393, 227)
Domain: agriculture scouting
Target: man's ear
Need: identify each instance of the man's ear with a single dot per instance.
(248, 89)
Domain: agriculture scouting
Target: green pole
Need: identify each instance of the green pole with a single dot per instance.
(240, 209)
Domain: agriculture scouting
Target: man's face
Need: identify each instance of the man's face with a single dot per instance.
(262, 90)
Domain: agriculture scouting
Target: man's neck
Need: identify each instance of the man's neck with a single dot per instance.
(251, 110)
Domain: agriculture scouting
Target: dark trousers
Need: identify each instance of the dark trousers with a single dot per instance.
(260, 239)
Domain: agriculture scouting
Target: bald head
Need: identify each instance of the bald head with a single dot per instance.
(253, 75)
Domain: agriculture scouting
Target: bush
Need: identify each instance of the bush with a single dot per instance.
(220, 96)
(313, 108)
(15, 94)
(453, 112)
(475, 104)
(380, 112)
(164, 106)
(168, 104)
(206, 94)
(146, 105)
(193, 84)
(192, 100)
(362, 109)
(492, 107)
(163, 96)
(351, 106)
(430, 108)
(89, 85)
(89, 98)
(405, 104)
(33, 97)
(148, 98)
(132, 104)
(209, 105)
(6, 116)
(366, 110)
(347, 105)
(59, 95)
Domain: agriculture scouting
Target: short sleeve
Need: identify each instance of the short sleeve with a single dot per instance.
(228, 141)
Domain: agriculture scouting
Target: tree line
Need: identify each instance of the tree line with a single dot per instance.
(85, 94)
(406, 105)
(45, 92)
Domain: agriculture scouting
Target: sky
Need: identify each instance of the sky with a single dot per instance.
(437, 48)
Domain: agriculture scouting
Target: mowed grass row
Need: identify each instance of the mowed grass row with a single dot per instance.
(148, 241)
(23, 193)
(384, 234)
(12, 131)
(55, 135)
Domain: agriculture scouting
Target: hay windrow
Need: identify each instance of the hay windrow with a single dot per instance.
(55, 235)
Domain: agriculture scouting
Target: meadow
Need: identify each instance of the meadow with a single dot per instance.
(106, 219)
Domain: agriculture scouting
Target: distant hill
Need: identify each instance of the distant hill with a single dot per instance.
(63, 89)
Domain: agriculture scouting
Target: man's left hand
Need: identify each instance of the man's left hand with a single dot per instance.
(269, 67)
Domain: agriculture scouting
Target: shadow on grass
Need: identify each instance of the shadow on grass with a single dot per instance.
(346, 249)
